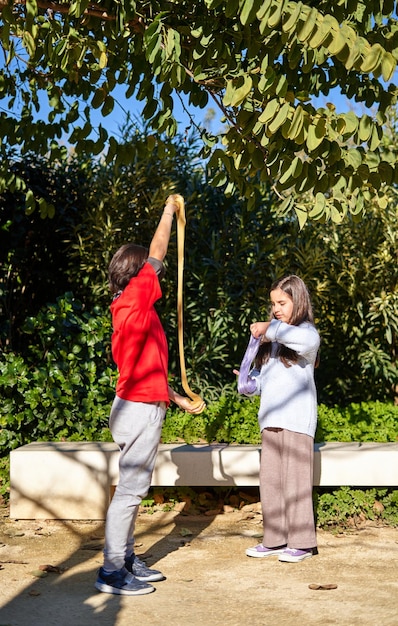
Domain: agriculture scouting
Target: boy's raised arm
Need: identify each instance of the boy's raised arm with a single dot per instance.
(161, 238)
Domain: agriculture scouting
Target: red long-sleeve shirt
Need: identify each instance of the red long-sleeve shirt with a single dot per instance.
(139, 344)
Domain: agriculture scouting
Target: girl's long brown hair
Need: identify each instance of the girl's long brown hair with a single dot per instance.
(302, 312)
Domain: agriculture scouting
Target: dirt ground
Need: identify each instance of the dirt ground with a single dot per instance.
(209, 580)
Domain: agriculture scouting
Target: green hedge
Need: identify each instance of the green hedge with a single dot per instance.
(63, 386)
(233, 419)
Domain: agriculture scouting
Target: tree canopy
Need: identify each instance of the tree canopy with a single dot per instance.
(261, 62)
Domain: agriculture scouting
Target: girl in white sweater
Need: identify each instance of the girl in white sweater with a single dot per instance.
(284, 378)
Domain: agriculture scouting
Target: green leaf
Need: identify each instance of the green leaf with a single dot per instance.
(270, 111)
(358, 51)
(375, 138)
(154, 48)
(151, 30)
(286, 205)
(30, 202)
(373, 59)
(315, 136)
(98, 98)
(29, 43)
(108, 105)
(31, 8)
(228, 94)
(279, 119)
(382, 201)
(281, 87)
(276, 13)
(337, 44)
(248, 11)
(266, 81)
(242, 92)
(336, 214)
(103, 60)
(357, 206)
(297, 167)
(264, 10)
(302, 216)
(386, 172)
(354, 158)
(289, 24)
(308, 27)
(351, 123)
(150, 108)
(373, 160)
(321, 33)
(319, 207)
(286, 173)
(365, 128)
(296, 124)
(388, 65)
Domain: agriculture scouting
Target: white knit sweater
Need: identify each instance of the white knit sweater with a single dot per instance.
(288, 394)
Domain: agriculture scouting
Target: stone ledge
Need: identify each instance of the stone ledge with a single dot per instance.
(74, 480)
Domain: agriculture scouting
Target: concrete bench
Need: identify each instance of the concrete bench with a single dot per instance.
(75, 480)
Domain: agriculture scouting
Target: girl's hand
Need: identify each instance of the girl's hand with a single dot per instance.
(259, 328)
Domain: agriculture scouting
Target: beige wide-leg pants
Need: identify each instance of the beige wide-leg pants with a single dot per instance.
(286, 483)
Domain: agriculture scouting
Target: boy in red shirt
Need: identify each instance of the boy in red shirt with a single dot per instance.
(139, 348)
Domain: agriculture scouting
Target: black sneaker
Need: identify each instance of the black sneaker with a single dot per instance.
(138, 568)
(121, 583)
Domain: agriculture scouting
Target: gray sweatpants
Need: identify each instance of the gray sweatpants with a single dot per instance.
(136, 428)
(286, 483)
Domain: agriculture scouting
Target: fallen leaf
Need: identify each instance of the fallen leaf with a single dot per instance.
(33, 592)
(38, 573)
(51, 568)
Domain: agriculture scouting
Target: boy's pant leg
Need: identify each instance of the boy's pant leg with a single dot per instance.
(136, 428)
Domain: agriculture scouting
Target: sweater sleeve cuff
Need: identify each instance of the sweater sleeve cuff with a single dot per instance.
(272, 330)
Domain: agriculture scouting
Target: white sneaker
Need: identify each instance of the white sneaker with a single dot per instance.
(261, 551)
(293, 556)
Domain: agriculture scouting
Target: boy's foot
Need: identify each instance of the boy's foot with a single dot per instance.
(140, 570)
(261, 551)
(293, 556)
(121, 583)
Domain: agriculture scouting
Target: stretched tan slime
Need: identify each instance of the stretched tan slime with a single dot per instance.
(196, 399)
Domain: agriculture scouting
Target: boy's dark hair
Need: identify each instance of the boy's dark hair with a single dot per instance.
(125, 264)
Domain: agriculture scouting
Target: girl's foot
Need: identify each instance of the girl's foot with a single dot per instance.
(261, 551)
(289, 555)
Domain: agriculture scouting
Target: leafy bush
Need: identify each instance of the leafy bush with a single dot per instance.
(364, 421)
(347, 507)
(64, 386)
(233, 419)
